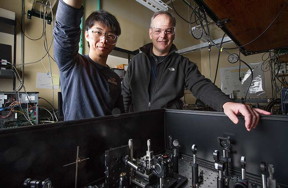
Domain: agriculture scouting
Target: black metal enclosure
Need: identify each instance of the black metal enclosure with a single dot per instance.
(50, 151)
(267, 143)
(45, 151)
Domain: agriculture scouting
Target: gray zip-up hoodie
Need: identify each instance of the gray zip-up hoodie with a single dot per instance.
(174, 74)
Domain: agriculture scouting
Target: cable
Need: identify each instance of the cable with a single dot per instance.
(22, 20)
(239, 70)
(197, 14)
(252, 77)
(272, 103)
(53, 109)
(52, 26)
(276, 83)
(22, 54)
(206, 20)
(178, 13)
(15, 71)
(24, 114)
(209, 56)
(8, 115)
(11, 107)
(218, 59)
(265, 66)
(50, 64)
(47, 49)
(42, 107)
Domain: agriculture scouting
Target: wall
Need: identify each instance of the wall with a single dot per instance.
(208, 64)
(209, 69)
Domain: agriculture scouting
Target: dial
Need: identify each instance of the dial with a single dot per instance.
(233, 58)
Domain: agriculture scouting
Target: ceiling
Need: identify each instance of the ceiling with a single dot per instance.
(255, 26)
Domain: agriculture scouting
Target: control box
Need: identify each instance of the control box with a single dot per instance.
(18, 109)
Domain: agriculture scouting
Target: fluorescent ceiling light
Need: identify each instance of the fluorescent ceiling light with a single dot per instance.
(154, 5)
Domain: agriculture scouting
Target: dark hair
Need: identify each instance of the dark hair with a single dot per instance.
(172, 18)
(105, 18)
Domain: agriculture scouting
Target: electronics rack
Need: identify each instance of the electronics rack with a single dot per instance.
(18, 109)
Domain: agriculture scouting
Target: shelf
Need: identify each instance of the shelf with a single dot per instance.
(120, 52)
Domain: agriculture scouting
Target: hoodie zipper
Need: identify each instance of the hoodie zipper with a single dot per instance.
(159, 80)
(149, 103)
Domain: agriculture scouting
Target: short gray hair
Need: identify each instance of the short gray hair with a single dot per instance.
(172, 18)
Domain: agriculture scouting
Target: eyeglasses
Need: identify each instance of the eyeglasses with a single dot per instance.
(110, 38)
(158, 31)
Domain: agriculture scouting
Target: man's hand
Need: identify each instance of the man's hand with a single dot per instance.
(251, 115)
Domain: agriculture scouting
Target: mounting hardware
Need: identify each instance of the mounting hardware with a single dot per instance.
(197, 32)
(233, 58)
